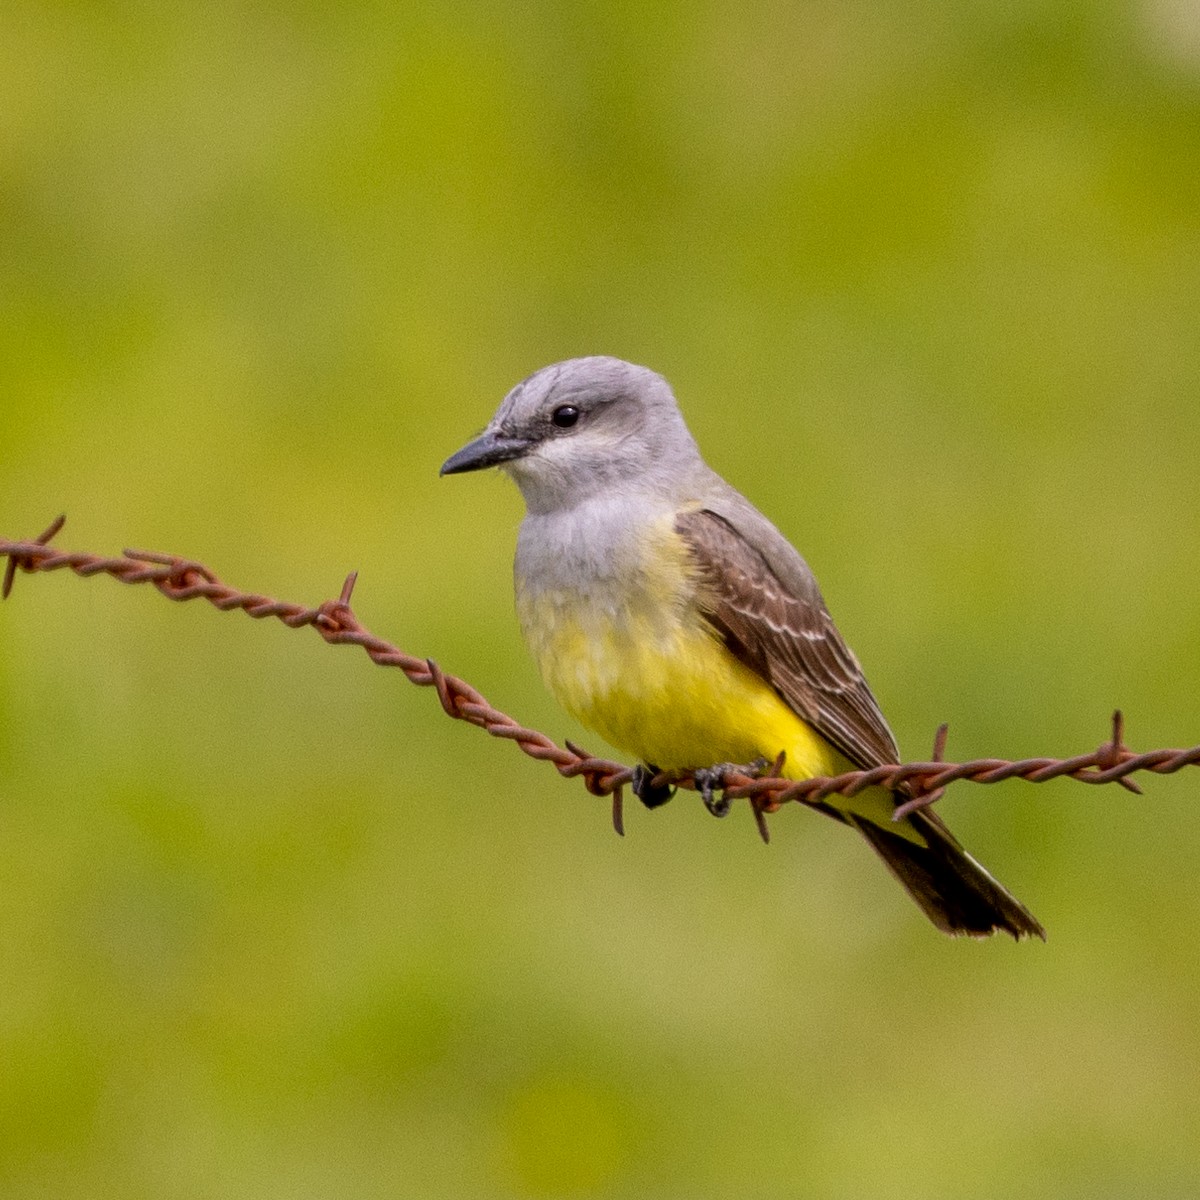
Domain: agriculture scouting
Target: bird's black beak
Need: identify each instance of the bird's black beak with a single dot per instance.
(487, 450)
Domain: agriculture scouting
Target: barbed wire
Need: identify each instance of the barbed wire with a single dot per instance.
(923, 783)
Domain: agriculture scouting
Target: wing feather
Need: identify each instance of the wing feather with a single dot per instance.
(785, 634)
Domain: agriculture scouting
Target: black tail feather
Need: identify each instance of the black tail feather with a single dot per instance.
(953, 890)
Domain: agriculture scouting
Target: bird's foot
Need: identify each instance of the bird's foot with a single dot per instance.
(711, 780)
(651, 794)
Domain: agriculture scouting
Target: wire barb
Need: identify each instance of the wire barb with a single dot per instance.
(920, 794)
(28, 562)
(923, 783)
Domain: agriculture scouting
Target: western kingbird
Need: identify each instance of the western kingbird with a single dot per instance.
(667, 614)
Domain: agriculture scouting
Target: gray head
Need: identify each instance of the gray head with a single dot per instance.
(583, 427)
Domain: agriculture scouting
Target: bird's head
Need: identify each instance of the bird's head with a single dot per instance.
(581, 427)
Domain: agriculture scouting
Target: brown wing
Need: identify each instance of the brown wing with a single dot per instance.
(784, 633)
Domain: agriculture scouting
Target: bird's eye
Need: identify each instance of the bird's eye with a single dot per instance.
(565, 416)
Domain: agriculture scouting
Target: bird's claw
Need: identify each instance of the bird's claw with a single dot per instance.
(651, 794)
(711, 780)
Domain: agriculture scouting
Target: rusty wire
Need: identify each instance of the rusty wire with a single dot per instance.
(923, 783)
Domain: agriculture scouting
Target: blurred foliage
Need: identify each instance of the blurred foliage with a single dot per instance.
(925, 279)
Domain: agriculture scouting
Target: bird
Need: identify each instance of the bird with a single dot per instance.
(670, 617)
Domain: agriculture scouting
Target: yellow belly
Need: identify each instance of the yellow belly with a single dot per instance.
(684, 701)
(674, 697)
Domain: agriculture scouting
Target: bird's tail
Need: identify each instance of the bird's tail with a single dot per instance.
(953, 890)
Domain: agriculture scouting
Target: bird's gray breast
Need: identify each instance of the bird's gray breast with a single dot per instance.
(592, 553)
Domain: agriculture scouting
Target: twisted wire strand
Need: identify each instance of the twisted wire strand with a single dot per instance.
(923, 783)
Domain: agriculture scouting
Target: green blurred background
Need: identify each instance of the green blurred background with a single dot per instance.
(925, 278)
